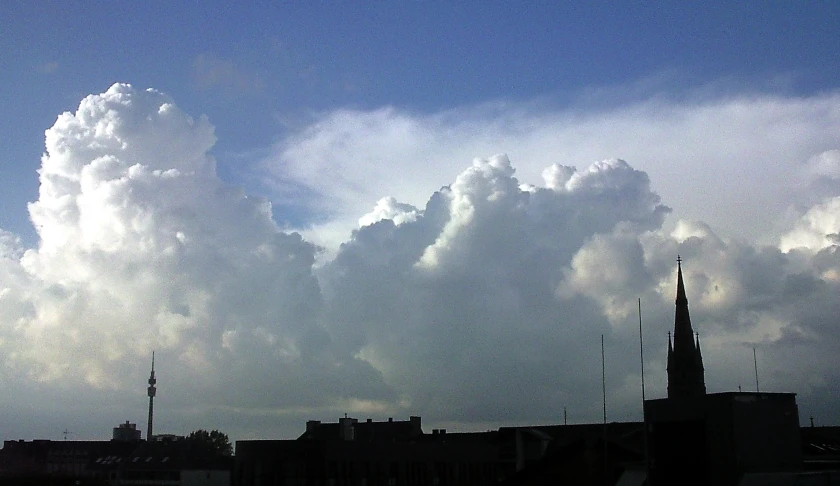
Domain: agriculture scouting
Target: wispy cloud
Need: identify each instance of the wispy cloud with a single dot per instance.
(210, 72)
(50, 67)
(704, 154)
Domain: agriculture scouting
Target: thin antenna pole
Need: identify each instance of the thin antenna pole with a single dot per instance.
(565, 421)
(604, 380)
(641, 351)
(604, 395)
(642, 359)
(755, 363)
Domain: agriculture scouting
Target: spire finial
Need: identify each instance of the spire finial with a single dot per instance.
(680, 285)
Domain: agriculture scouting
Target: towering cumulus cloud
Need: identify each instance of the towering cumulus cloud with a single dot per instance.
(142, 248)
(467, 317)
(484, 306)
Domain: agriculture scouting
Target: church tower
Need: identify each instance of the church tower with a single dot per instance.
(152, 390)
(685, 362)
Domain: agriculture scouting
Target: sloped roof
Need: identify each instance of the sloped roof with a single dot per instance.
(172, 455)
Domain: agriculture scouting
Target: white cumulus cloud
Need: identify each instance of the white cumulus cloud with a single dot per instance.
(470, 294)
(143, 248)
(704, 153)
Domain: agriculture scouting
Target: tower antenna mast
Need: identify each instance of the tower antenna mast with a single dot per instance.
(151, 392)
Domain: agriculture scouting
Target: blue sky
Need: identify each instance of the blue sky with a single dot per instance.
(271, 64)
(323, 208)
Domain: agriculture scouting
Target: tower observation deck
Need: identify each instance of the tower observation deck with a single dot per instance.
(151, 392)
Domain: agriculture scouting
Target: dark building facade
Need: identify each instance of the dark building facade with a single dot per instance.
(717, 438)
(396, 453)
(351, 452)
(113, 463)
(42, 461)
(126, 432)
(580, 455)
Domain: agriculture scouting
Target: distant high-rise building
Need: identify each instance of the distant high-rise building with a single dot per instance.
(151, 392)
(685, 362)
(126, 432)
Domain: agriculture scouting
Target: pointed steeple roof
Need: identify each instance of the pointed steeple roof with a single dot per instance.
(683, 332)
(685, 364)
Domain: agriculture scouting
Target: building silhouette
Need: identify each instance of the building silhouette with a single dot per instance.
(685, 361)
(351, 452)
(112, 463)
(695, 438)
(398, 452)
(126, 432)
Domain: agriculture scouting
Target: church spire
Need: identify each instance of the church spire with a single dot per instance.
(685, 363)
(683, 333)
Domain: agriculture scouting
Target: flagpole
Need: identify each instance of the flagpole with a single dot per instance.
(644, 415)
(604, 395)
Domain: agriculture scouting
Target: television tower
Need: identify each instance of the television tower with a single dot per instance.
(151, 392)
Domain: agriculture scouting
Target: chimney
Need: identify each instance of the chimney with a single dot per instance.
(390, 419)
(416, 428)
